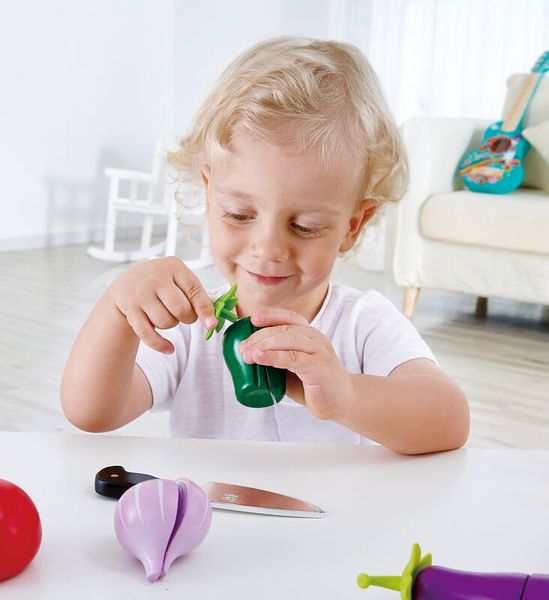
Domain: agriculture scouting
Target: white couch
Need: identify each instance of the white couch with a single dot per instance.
(446, 237)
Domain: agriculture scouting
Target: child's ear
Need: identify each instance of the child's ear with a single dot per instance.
(205, 174)
(366, 210)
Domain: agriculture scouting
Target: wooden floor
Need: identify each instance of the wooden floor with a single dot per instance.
(502, 362)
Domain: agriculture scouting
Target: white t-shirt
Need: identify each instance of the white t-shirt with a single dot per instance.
(368, 333)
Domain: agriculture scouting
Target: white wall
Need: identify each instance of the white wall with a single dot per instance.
(89, 84)
(83, 84)
(209, 34)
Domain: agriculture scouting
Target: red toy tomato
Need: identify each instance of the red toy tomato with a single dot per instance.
(20, 530)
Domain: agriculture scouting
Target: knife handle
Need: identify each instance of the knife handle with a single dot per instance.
(114, 481)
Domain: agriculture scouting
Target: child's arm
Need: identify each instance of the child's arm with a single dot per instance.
(416, 409)
(102, 387)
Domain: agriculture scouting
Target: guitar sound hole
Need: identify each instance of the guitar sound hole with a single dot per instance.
(499, 144)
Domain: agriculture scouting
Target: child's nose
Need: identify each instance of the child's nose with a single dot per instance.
(269, 243)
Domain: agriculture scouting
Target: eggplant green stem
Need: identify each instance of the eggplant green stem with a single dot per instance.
(401, 583)
(389, 582)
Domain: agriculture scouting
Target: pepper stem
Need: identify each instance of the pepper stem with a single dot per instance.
(228, 315)
(223, 308)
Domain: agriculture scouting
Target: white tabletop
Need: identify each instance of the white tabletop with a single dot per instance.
(473, 509)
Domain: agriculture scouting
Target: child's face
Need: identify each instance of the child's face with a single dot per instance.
(277, 221)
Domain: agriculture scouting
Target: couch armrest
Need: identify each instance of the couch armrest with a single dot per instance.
(435, 148)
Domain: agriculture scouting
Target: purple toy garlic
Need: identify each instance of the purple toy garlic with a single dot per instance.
(159, 520)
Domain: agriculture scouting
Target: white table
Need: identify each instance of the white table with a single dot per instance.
(473, 509)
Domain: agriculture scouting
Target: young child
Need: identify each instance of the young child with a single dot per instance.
(297, 151)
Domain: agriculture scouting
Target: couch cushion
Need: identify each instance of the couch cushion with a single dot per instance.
(516, 221)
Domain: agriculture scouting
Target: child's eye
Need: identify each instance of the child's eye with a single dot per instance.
(237, 217)
(302, 230)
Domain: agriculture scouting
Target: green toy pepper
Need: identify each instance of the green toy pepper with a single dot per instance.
(255, 385)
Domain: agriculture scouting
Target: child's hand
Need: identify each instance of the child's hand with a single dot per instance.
(316, 377)
(161, 293)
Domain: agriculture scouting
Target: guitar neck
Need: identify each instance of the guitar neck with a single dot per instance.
(516, 112)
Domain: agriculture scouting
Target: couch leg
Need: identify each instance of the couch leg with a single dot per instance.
(481, 308)
(410, 299)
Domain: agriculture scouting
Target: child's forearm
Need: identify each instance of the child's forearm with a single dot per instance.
(411, 414)
(100, 369)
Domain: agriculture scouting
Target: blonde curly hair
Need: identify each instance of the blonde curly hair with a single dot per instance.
(327, 93)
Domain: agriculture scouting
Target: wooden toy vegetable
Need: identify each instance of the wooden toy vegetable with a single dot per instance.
(421, 581)
(159, 520)
(255, 385)
(20, 529)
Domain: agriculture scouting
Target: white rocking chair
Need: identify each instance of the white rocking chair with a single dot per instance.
(150, 206)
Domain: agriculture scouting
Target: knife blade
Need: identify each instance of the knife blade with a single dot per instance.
(113, 481)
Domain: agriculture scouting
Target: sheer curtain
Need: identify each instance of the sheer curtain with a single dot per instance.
(446, 58)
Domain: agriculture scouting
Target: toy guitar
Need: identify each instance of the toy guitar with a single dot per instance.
(496, 166)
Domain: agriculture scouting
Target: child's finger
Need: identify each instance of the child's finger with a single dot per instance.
(295, 361)
(281, 338)
(176, 304)
(146, 332)
(284, 332)
(158, 314)
(277, 316)
(201, 303)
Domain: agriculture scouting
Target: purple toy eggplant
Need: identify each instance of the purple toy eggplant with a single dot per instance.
(421, 581)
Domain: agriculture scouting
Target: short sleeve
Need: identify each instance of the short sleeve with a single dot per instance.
(164, 371)
(390, 339)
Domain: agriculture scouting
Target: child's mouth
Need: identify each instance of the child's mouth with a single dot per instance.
(267, 280)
